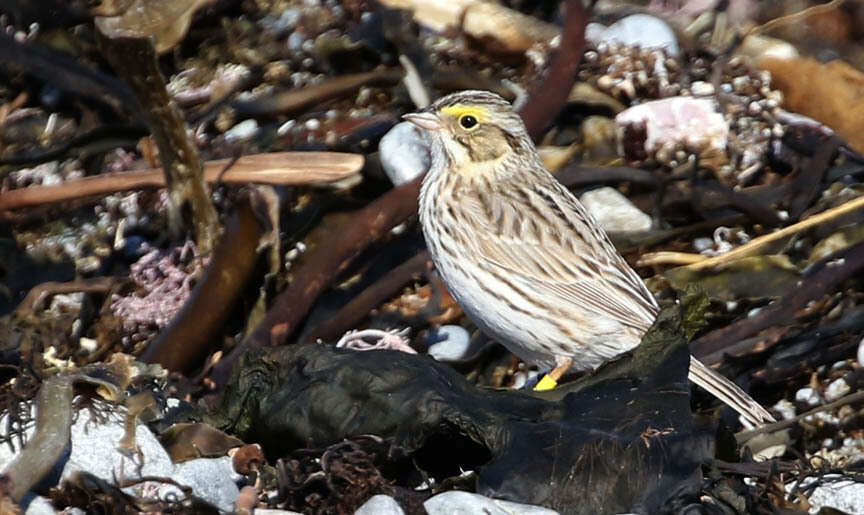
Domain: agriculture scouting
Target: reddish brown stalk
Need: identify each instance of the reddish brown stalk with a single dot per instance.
(184, 343)
(134, 59)
(358, 308)
(546, 101)
(321, 266)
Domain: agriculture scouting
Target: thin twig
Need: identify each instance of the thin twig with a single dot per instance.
(823, 278)
(745, 436)
(756, 245)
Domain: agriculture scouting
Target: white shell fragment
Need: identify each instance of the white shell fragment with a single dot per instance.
(404, 153)
(692, 123)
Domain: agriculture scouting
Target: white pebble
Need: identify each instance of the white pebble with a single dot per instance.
(454, 344)
(860, 354)
(243, 131)
(404, 153)
(636, 30)
(379, 505)
(837, 389)
(702, 89)
(295, 41)
(808, 396)
(785, 408)
(613, 211)
(702, 244)
(285, 127)
(88, 345)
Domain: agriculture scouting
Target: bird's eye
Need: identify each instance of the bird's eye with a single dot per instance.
(468, 122)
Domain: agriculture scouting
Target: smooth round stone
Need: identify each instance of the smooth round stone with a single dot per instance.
(404, 153)
(380, 505)
(639, 30)
(613, 211)
(452, 344)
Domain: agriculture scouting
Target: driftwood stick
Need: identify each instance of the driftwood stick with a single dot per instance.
(283, 168)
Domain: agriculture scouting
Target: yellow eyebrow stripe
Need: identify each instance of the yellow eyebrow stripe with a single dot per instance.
(459, 110)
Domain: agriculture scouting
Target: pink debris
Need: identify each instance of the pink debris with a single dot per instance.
(677, 122)
(380, 339)
(164, 280)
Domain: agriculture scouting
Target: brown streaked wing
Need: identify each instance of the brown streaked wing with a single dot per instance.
(542, 241)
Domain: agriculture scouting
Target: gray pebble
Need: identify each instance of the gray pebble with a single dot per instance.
(404, 153)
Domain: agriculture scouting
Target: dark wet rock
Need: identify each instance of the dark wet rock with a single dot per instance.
(619, 440)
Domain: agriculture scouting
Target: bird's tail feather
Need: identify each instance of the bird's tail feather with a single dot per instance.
(728, 392)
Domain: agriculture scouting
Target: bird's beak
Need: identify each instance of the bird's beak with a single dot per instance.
(428, 121)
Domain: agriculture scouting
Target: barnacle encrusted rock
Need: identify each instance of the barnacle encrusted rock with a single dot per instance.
(660, 128)
(742, 97)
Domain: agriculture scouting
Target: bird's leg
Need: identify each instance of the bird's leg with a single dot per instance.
(550, 380)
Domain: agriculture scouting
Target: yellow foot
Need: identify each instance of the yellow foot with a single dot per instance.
(550, 380)
(545, 384)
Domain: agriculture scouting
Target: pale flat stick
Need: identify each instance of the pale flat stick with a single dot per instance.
(666, 257)
(283, 168)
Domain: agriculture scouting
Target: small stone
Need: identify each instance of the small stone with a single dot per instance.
(286, 21)
(38, 505)
(379, 505)
(702, 244)
(452, 344)
(285, 127)
(834, 492)
(702, 89)
(785, 408)
(774, 451)
(860, 353)
(613, 211)
(808, 396)
(88, 345)
(639, 30)
(404, 153)
(464, 503)
(295, 42)
(243, 131)
(837, 389)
